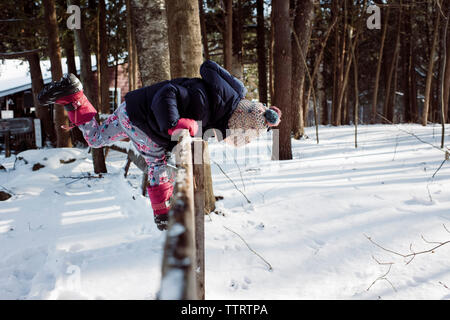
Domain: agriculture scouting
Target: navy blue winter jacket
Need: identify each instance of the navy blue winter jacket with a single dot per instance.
(212, 99)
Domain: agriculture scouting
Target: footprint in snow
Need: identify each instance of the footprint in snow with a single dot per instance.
(235, 285)
(316, 245)
(76, 247)
(418, 201)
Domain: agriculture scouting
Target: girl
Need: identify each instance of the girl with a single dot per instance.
(150, 115)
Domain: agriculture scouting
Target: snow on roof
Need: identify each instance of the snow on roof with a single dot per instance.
(15, 74)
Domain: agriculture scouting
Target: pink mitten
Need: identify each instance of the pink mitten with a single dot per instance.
(185, 123)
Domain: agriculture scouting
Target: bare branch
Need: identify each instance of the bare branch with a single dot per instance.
(268, 264)
(231, 180)
(413, 254)
(383, 277)
(15, 55)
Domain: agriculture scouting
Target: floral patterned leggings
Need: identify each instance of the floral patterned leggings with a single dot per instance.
(118, 126)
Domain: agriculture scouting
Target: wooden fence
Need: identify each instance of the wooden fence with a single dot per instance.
(183, 268)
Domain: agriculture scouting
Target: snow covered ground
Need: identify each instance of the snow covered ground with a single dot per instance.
(302, 233)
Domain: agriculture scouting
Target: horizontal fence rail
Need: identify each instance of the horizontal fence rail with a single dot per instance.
(183, 267)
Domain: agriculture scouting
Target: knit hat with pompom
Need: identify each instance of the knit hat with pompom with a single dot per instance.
(249, 120)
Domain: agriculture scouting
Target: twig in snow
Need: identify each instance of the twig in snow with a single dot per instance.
(256, 253)
(383, 277)
(411, 134)
(240, 173)
(395, 149)
(78, 178)
(443, 284)
(413, 254)
(434, 174)
(431, 180)
(7, 190)
(88, 176)
(429, 193)
(231, 180)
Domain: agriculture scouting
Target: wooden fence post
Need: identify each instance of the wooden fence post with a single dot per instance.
(198, 149)
(210, 199)
(179, 260)
(7, 144)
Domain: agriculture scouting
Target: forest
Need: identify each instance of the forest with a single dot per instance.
(348, 198)
(331, 62)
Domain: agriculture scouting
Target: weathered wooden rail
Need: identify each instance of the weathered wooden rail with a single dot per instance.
(183, 268)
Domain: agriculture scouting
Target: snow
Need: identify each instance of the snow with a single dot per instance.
(310, 218)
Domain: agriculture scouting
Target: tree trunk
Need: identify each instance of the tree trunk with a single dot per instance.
(282, 59)
(203, 30)
(228, 35)
(272, 40)
(426, 106)
(356, 98)
(103, 74)
(322, 96)
(150, 25)
(343, 58)
(87, 78)
(42, 112)
(116, 80)
(444, 64)
(238, 49)
(185, 39)
(406, 67)
(261, 52)
(131, 46)
(390, 94)
(304, 17)
(336, 14)
(377, 77)
(69, 49)
(54, 52)
(446, 83)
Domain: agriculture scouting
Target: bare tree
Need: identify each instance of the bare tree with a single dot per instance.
(262, 53)
(237, 47)
(102, 51)
(389, 103)
(228, 35)
(203, 29)
(185, 39)
(132, 53)
(408, 57)
(150, 25)
(282, 60)
(446, 82)
(54, 51)
(87, 78)
(303, 24)
(37, 84)
(430, 72)
(377, 77)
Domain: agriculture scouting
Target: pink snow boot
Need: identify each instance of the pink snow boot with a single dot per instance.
(68, 91)
(79, 109)
(159, 196)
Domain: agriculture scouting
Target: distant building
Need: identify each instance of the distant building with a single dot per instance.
(16, 99)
